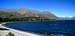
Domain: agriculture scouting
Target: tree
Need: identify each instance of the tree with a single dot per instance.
(0, 19)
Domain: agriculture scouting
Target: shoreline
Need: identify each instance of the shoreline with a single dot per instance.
(17, 32)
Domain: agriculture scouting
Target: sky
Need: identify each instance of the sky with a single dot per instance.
(60, 8)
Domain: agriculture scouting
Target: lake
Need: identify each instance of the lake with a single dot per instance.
(64, 27)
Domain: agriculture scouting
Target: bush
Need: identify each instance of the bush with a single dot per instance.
(10, 34)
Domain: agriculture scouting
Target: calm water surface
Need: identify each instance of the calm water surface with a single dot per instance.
(59, 27)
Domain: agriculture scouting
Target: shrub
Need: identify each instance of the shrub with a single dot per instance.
(10, 34)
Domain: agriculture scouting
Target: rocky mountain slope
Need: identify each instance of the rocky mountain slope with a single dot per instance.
(26, 13)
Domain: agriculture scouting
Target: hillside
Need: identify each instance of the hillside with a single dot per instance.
(25, 12)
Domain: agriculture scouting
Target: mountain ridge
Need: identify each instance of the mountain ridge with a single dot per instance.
(28, 13)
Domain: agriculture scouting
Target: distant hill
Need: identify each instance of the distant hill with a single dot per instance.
(66, 18)
(73, 18)
(26, 13)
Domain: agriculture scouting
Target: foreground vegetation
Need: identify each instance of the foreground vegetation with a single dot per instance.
(10, 34)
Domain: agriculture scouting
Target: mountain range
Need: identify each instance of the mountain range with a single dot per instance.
(4, 12)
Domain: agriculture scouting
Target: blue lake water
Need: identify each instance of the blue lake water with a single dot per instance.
(65, 27)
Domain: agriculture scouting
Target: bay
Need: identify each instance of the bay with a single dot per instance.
(64, 27)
